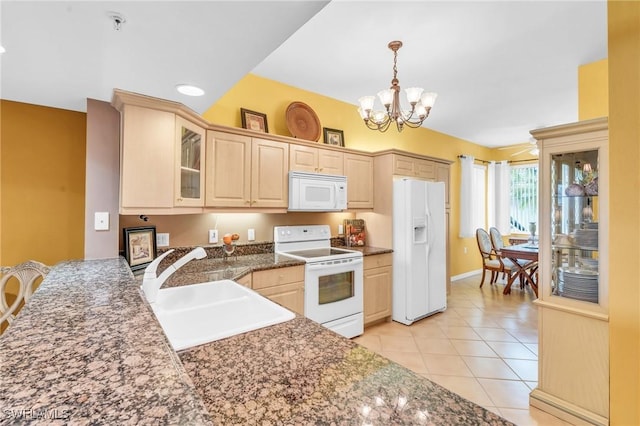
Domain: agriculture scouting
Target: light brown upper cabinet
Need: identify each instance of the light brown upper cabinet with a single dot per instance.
(413, 167)
(316, 160)
(246, 172)
(189, 178)
(359, 171)
(147, 159)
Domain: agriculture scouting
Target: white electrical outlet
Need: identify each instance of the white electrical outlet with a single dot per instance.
(213, 236)
(464, 249)
(251, 234)
(162, 240)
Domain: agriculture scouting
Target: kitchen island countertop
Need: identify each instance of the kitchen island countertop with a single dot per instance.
(87, 349)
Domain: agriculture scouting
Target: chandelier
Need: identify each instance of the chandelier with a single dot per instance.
(421, 103)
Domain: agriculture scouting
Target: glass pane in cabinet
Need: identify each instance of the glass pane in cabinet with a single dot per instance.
(190, 164)
(574, 225)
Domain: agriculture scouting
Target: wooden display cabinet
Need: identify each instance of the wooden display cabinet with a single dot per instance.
(573, 308)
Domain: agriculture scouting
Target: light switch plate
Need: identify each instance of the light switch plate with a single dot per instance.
(101, 221)
(213, 236)
(251, 234)
(162, 240)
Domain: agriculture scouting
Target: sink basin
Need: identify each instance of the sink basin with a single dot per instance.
(201, 313)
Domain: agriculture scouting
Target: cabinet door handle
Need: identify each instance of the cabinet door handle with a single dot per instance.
(321, 169)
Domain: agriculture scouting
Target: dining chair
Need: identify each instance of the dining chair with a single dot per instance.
(491, 260)
(23, 276)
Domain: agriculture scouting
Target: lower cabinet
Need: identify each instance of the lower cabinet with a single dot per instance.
(378, 279)
(245, 281)
(284, 286)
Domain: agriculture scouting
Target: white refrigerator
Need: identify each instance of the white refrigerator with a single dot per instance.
(419, 251)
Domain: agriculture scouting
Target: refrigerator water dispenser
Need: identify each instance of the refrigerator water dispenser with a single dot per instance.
(419, 230)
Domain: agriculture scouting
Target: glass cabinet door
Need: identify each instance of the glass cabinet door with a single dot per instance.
(574, 225)
(190, 171)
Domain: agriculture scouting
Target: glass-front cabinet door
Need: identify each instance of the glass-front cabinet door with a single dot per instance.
(573, 195)
(574, 230)
(189, 179)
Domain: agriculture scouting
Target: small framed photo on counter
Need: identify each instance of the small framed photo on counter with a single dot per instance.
(254, 120)
(139, 246)
(333, 136)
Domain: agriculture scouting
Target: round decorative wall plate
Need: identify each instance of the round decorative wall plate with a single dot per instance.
(303, 122)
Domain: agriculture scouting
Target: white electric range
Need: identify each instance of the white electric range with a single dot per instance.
(333, 279)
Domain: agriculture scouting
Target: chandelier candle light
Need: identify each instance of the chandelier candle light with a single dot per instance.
(421, 103)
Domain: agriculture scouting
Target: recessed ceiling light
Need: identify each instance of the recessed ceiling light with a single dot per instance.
(189, 90)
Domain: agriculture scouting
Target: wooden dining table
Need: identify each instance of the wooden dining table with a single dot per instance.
(525, 264)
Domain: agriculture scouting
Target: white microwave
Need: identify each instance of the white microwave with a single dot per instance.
(315, 192)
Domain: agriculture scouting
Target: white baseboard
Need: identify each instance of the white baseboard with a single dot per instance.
(466, 275)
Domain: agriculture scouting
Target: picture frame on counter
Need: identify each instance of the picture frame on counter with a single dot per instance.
(333, 136)
(139, 246)
(253, 120)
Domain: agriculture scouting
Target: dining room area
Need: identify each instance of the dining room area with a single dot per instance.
(553, 264)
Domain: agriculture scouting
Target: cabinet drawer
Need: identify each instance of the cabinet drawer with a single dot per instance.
(277, 276)
(377, 260)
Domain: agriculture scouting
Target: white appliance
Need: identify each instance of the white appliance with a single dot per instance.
(317, 192)
(419, 252)
(333, 277)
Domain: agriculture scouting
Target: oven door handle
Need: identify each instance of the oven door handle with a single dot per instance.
(346, 265)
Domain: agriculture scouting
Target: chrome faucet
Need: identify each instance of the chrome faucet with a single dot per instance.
(151, 283)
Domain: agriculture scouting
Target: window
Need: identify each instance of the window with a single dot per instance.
(524, 197)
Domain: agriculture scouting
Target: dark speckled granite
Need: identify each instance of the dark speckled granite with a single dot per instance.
(87, 350)
(299, 372)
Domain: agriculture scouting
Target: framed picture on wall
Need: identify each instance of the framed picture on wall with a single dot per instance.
(139, 246)
(254, 120)
(333, 136)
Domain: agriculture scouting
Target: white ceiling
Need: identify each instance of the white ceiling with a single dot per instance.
(501, 68)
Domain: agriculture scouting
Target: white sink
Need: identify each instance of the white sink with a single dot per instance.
(200, 313)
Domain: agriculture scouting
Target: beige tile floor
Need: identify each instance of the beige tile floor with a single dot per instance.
(483, 347)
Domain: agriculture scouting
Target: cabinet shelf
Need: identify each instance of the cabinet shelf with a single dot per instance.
(189, 170)
(559, 247)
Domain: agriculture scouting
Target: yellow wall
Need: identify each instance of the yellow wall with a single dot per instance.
(624, 237)
(272, 98)
(42, 184)
(593, 90)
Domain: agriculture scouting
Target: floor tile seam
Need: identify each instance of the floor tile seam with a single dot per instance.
(494, 401)
(518, 359)
(477, 356)
(519, 379)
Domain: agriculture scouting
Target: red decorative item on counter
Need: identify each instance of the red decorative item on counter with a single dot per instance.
(354, 232)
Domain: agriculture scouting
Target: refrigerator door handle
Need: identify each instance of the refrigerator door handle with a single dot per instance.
(429, 229)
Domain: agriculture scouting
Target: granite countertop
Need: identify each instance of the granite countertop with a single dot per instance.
(368, 250)
(232, 268)
(87, 349)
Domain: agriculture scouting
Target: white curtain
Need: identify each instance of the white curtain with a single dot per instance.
(466, 197)
(498, 196)
(491, 193)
